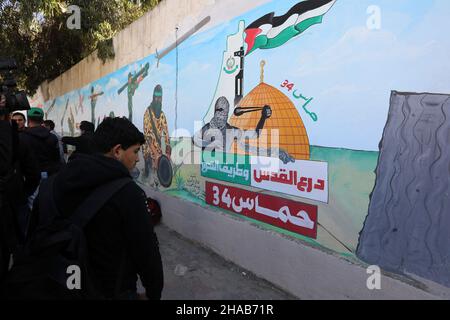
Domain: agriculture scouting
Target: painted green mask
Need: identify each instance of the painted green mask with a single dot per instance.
(156, 105)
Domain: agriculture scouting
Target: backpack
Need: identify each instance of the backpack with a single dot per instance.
(44, 266)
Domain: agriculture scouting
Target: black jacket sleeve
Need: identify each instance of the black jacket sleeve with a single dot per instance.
(29, 168)
(142, 241)
(73, 141)
(5, 147)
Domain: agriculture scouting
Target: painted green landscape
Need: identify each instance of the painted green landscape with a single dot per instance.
(351, 180)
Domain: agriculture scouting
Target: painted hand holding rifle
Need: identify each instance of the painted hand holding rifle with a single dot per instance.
(217, 132)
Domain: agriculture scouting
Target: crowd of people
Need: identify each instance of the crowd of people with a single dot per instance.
(44, 189)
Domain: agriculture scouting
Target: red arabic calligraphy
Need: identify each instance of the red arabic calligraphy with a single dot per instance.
(304, 184)
(291, 215)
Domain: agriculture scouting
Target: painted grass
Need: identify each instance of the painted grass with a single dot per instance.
(351, 180)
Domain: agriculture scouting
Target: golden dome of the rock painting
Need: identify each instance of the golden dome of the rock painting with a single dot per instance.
(285, 118)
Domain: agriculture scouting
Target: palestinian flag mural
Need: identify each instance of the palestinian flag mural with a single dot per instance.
(270, 32)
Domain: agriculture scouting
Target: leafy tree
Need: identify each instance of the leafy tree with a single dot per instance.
(35, 33)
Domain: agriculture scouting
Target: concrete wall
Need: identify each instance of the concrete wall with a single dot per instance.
(306, 272)
(327, 81)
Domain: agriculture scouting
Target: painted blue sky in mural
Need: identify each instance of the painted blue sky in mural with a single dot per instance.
(348, 69)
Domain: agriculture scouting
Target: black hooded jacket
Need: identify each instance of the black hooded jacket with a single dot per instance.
(19, 178)
(6, 147)
(6, 156)
(122, 226)
(44, 145)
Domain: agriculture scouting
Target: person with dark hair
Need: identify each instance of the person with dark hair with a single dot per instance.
(43, 144)
(83, 143)
(50, 125)
(112, 130)
(121, 242)
(19, 177)
(24, 182)
(19, 118)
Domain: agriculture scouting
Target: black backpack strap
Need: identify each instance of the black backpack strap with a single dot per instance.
(87, 210)
(47, 206)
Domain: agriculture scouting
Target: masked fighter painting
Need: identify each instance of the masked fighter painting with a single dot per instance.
(219, 135)
(157, 150)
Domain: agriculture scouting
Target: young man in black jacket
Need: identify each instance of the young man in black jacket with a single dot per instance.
(83, 143)
(120, 238)
(24, 181)
(6, 160)
(19, 177)
(50, 126)
(43, 144)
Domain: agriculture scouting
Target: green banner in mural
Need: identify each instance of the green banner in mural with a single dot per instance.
(234, 168)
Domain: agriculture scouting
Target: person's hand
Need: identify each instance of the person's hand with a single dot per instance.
(285, 157)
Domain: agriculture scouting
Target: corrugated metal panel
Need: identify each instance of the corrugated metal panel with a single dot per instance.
(408, 224)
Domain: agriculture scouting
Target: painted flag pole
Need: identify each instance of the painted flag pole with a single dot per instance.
(267, 32)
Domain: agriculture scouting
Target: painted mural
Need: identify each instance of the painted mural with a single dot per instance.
(276, 115)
